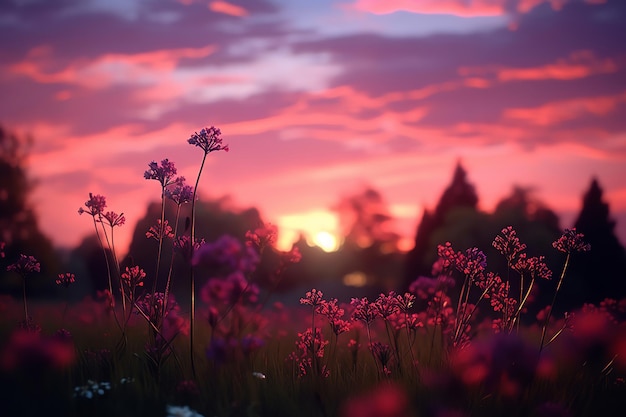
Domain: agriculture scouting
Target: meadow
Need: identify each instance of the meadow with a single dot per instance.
(458, 343)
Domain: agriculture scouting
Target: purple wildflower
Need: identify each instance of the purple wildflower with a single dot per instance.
(181, 193)
(164, 173)
(113, 219)
(95, 205)
(208, 140)
(25, 265)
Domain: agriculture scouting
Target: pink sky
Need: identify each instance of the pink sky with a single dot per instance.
(317, 100)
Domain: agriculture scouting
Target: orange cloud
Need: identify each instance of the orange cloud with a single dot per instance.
(560, 111)
(106, 69)
(228, 8)
(579, 64)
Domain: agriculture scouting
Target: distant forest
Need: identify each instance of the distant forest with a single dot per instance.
(367, 263)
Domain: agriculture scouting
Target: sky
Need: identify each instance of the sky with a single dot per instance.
(317, 100)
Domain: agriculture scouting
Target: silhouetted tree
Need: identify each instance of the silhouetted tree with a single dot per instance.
(365, 221)
(214, 218)
(460, 194)
(370, 245)
(601, 272)
(19, 228)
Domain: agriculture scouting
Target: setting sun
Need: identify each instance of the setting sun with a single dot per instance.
(327, 241)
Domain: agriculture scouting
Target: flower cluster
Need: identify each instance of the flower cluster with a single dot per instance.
(133, 277)
(262, 237)
(92, 389)
(164, 174)
(313, 298)
(66, 279)
(208, 140)
(180, 193)
(364, 311)
(509, 245)
(95, 205)
(113, 219)
(307, 348)
(24, 265)
(159, 231)
(571, 241)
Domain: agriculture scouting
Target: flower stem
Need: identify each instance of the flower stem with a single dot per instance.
(24, 293)
(192, 313)
(558, 287)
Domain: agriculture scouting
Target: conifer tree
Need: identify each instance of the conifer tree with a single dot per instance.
(601, 272)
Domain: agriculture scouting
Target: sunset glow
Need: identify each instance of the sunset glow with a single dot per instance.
(317, 100)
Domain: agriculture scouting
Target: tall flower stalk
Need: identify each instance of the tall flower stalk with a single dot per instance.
(569, 242)
(165, 175)
(209, 140)
(24, 266)
(95, 207)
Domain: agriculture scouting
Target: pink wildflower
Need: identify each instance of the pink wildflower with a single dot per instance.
(133, 277)
(313, 298)
(65, 279)
(570, 242)
(509, 245)
(261, 237)
(25, 265)
(114, 219)
(159, 232)
(363, 310)
(386, 305)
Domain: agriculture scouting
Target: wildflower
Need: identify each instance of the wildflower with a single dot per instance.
(471, 263)
(91, 389)
(312, 298)
(157, 232)
(262, 237)
(176, 411)
(405, 302)
(382, 353)
(363, 310)
(164, 173)
(292, 257)
(113, 219)
(535, 266)
(447, 256)
(208, 140)
(386, 305)
(2, 245)
(509, 245)
(182, 245)
(126, 380)
(65, 279)
(570, 242)
(25, 265)
(95, 205)
(227, 252)
(133, 277)
(181, 193)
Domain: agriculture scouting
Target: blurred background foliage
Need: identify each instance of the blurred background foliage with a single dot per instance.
(367, 262)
